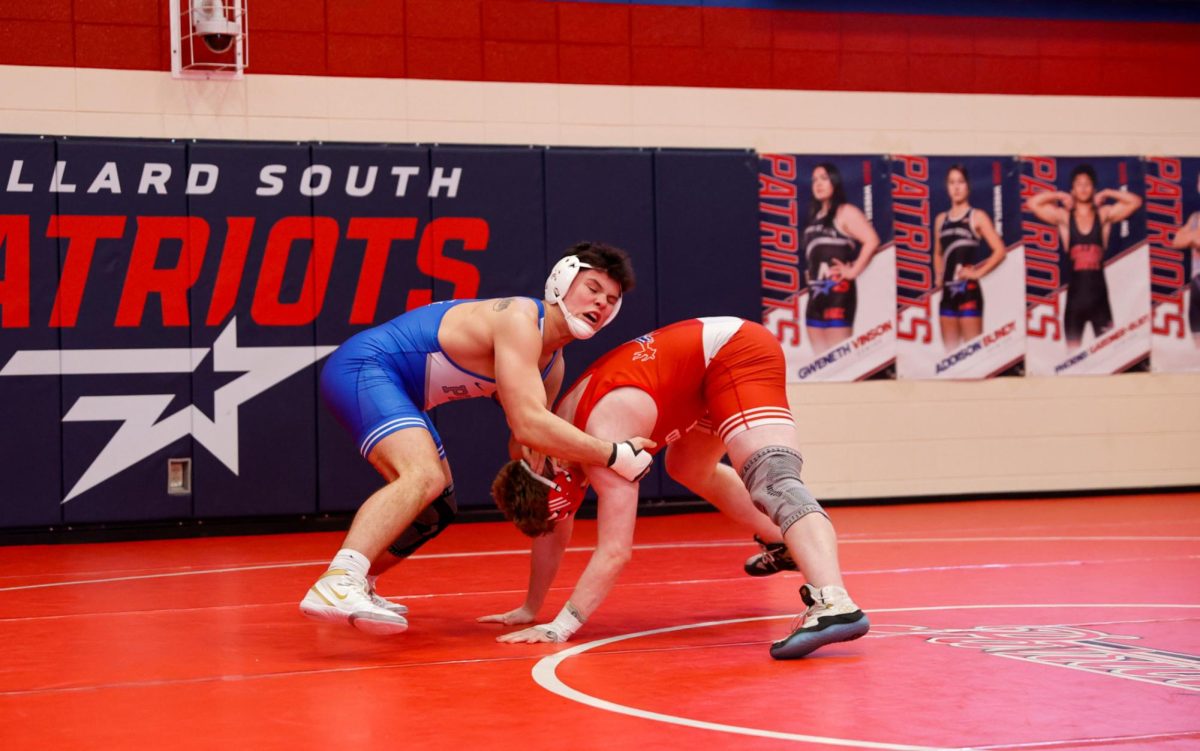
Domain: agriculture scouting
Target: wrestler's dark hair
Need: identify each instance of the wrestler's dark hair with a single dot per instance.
(961, 169)
(607, 258)
(1084, 169)
(835, 200)
(524, 500)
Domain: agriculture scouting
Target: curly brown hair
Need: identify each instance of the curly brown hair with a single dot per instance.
(524, 500)
(607, 258)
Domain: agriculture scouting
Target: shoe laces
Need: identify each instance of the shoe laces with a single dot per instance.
(769, 554)
(819, 603)
(377, 599)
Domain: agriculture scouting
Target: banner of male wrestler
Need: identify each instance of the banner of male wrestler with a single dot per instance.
(1087, 265)
(1173, 229)
(828, 264)
(960, 270)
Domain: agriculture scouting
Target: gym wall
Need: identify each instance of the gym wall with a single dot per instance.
(565, 75)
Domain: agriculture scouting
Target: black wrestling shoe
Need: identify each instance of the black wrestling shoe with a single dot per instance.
(773, 559)
(831, 617)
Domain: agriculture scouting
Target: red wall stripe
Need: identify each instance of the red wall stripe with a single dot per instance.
(570, 42)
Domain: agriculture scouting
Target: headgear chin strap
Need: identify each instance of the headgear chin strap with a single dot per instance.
(565, 492)
(557, 284)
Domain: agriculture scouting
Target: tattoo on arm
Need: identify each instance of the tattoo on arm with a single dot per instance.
(502, 304)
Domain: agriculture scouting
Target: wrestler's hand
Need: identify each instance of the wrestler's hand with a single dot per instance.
(840, 271)
(534, 458)
(511, 618)
(970, 273)
(1066, 200)
(540, 634)
(630, 459)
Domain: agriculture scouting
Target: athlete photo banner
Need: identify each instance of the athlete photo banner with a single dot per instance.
(1173, 229)
(828, 266)
(960, 271)
(1087, 265)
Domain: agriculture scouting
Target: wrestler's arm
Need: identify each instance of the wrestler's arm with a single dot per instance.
(616, 516)
(939, 259)
(1048, 205)
(553, 384)
(1189, 234)
(854, 223)
(545, 556)
(987, 230)
(518, 344)
(1124, 203)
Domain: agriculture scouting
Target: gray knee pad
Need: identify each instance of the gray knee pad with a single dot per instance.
(428, 524)
(772, 475)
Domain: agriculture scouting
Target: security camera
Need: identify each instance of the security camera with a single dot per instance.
(211, 22)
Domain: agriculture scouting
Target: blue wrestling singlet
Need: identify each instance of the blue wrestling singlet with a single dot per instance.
(386, 378)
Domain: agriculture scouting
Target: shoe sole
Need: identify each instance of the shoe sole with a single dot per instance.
(772, 572)
(396, 608)
(365, 622)
(370, 624)
(801, 643)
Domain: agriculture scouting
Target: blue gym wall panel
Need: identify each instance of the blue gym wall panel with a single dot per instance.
(121, 426)
(707, 234)
(501, 187)
(605, 195)
(344, 478)
(272, 445)
(707, 237)
(31, 433)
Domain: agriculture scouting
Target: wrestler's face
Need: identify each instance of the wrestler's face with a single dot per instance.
(822, 186)
(592, 297)
(956, 186)
(1082, 189)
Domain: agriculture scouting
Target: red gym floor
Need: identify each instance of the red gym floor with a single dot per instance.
(1055, 624)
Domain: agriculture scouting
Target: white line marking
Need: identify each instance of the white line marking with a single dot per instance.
(103, 361)
(261, 676)
(659, 546)
(1092, 741)
(545, 675)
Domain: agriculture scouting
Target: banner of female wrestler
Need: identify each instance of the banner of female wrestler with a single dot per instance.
(1173, 228)
(1087, 265)
(828, 265)
(960, 271)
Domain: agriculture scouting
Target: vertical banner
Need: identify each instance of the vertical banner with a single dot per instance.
(30, 360)
(1173, 229)
(1087, 278)
(127, 254)
(255, 297)
(380, 201)
(827, 264)
(705, 227)
(488, 206)
(603, 195)
(960, 270)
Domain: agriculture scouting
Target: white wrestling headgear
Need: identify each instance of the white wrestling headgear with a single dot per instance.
(557, 284)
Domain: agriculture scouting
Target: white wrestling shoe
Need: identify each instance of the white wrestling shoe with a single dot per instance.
(831, 617)
(340, 597)
(380, 601)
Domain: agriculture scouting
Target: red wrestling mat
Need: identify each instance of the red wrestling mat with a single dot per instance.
(1058, 624)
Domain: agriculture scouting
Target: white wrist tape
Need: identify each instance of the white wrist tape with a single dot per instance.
(564, 625)
(628, 462)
